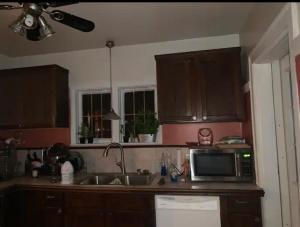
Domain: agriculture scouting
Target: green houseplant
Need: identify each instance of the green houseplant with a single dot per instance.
(146, 127)
(83, 132)
(90, 135)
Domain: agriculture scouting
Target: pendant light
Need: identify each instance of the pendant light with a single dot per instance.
(111, 115)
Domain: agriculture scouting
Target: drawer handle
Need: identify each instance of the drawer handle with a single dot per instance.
(59, 211)
(241, 201)
(50, 197)
(257, 219)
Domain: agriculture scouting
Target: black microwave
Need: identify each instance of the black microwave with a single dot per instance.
(235, 165)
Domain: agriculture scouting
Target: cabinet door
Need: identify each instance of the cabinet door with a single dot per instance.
(37, 97)
(85, 217)
(31, 209)
(10, 99)
(176, 99)
(130, 219)
(244, 220)
(220, 85)
(52, 216)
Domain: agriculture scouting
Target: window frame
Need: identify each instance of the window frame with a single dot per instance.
(79, 94)
(121, 96)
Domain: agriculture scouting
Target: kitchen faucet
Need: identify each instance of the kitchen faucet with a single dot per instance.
(121, 164)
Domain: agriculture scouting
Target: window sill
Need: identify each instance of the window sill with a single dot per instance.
(125, 145)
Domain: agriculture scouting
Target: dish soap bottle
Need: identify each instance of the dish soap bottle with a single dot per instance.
(163, 165)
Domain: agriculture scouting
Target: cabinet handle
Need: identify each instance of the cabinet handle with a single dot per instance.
(204, 117)
(257, 219)
(59, 211)
(241, 201)
(194, 118)
(50, 197)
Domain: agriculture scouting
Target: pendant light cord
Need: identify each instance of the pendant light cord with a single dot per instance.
(110, 78)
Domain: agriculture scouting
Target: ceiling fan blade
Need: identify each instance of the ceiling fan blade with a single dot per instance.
(33, 34)
(72, 21)
(58, 4)
(8, 7)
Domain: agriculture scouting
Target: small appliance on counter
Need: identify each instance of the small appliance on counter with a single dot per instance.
(212, 164)
(56, 155)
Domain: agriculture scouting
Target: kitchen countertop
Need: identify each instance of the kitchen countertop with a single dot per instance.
(188, 187)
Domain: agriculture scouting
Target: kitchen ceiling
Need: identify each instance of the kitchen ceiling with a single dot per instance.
(128, 23)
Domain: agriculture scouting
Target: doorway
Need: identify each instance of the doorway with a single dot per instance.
(286, 141)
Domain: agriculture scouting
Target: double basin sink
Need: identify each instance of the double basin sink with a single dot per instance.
(117, 179)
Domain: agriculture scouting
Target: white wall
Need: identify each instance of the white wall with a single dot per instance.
(131, 65)
(4, 62)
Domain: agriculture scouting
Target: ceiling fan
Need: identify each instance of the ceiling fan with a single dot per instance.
(32, 24)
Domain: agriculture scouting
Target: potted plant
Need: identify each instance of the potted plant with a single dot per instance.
(146, 126)
(90, 135)
(83, 132)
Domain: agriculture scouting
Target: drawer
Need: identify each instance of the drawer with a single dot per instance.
(130, 202)
(244, 204)
(53, 199)
(84, 200)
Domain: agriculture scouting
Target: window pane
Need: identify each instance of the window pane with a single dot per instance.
(129, 124)
(96, 104)
(128, 103)
(97, 126)
(106, 134)
(86, 104)
(139, 101)
(149, 101)
(105, 103)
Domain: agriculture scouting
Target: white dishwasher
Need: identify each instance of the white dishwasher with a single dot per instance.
(187, 211)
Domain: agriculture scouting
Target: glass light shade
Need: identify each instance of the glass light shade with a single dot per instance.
(17, 27)
(111, 115)
(45, 29)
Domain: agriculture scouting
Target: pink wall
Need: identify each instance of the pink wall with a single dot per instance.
(181, 133)
(247, 124)
(42, 137)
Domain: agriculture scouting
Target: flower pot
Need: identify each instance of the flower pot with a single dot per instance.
(146, 138)
(82, 140)
(90, 139)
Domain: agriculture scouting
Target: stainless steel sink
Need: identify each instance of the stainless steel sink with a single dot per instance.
(117, 179)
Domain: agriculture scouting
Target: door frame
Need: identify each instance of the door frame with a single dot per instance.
(270, 46)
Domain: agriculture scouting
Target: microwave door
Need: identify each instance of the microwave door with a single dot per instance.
(213, 166)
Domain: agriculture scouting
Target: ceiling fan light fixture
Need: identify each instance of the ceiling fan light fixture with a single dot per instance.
(17, 26)
(45, 29)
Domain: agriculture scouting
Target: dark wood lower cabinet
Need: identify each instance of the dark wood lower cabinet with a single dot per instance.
(241, 211)
(85, 217)
(53, 208)
(244, 220)
(131, 219)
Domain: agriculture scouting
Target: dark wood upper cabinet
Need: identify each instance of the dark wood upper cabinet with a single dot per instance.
(200, 86)
(34, 97)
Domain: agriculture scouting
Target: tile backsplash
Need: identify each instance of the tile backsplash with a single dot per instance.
(135, 158)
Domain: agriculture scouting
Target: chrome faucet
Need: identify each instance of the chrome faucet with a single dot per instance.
(121, 164)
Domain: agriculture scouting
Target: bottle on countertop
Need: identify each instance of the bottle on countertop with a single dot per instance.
(28, 163)
(67, 173)
(163, 165)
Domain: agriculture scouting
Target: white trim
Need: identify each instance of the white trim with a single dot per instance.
(121, 92)
(269, 48)
(78, 107)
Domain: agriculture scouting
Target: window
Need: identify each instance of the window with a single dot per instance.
(92, 105)
(135, 102)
